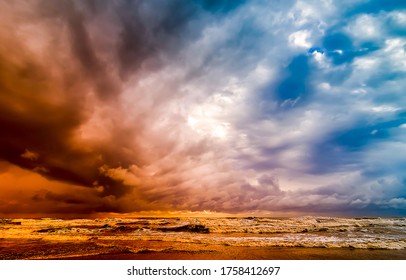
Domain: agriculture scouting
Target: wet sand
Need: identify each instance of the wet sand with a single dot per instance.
(159, 250)
(249, 253)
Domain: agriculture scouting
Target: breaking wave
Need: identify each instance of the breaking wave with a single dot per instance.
(327, 232)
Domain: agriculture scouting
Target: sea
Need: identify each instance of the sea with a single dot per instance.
(308, 231)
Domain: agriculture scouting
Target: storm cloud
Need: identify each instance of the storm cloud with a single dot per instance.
(228, 106)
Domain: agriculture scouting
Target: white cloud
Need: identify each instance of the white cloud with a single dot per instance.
(365, 27)
(395, 50)
(325, 86)
(312, 12)
(399, 17)
(300, 39)
(384, 109)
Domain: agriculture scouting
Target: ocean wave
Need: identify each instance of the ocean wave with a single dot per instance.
(323, 232)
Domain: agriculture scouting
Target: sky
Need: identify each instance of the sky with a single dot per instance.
(281, 107)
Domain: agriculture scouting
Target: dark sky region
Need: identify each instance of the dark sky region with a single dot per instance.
(170, 106)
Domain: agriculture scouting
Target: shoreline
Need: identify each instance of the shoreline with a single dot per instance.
(163, 250)
(255, 253)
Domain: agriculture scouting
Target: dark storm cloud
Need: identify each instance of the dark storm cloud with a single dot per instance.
(44, 103)
(30, 121)
(96, 46)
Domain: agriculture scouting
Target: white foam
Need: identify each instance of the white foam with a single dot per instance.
(329, 232)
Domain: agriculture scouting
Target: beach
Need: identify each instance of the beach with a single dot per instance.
(308, 238)
(167, 251)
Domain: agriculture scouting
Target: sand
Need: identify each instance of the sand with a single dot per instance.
(250, 253)
(159, 250)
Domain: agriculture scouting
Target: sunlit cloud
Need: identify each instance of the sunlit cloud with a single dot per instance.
(191, 106)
